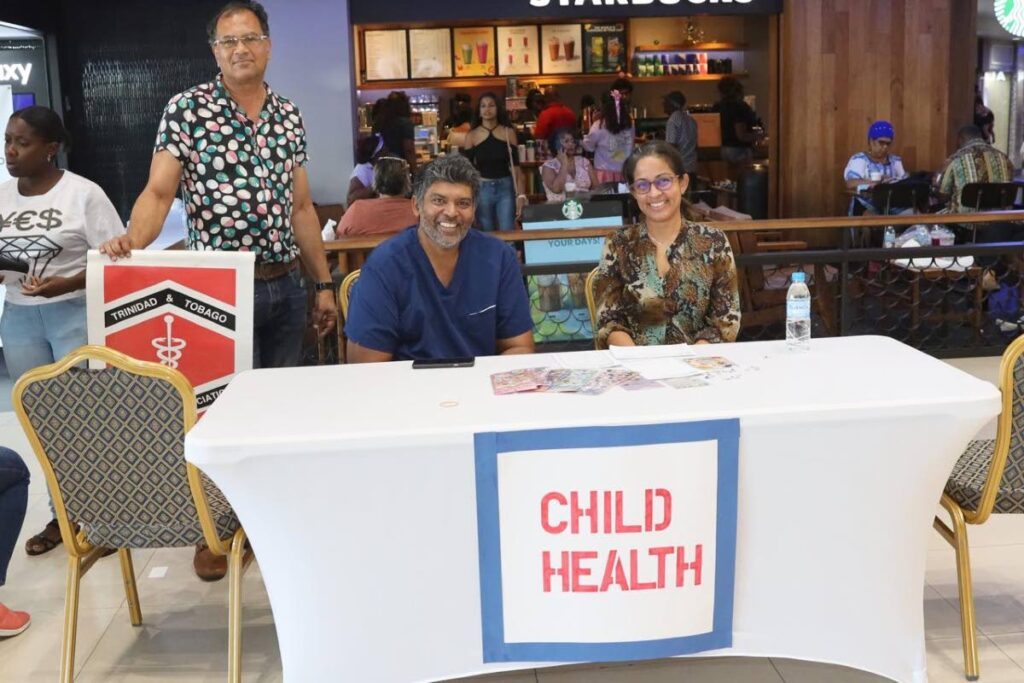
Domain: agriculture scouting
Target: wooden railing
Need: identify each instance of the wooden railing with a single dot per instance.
(352, 251)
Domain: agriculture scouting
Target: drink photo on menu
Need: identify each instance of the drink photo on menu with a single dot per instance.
(517, 51)
(474, 51)
(561, 51)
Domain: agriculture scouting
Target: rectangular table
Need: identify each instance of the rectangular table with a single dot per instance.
(356, 485)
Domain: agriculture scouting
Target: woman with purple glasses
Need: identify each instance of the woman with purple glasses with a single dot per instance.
(666, 280)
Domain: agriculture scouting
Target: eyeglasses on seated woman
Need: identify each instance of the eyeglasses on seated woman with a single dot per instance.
(665, 280)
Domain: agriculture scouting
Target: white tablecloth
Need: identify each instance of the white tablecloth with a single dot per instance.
(356, 485)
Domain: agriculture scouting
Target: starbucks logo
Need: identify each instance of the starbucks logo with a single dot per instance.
(1010, 14)
(572, 209)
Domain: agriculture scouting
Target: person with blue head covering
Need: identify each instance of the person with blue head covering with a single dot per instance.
(867, 169)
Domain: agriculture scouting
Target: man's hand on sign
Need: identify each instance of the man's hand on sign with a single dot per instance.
(119, 247)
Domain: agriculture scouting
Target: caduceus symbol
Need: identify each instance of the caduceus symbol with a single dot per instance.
(169, 347)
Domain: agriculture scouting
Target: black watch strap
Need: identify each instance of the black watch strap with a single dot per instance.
(323, 286)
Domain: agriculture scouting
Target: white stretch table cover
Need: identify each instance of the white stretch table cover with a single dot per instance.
(356, 485)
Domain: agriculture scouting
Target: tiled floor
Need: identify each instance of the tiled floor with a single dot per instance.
(184, 636)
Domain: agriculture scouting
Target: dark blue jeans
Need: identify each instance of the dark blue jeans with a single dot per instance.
(13, 501)
(279, 321)
(496, 205)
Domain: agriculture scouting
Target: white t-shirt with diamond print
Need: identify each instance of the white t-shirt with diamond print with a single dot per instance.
(52, 232)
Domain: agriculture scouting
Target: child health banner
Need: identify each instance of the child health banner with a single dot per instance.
(192, 311)
(600, 544)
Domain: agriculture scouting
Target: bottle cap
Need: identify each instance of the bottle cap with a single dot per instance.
(799, 276)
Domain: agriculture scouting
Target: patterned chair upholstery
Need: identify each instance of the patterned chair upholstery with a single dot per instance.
(111, 444)
(987, 478)
(115, 441)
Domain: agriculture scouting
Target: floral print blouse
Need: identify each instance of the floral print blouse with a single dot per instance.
(698, 297)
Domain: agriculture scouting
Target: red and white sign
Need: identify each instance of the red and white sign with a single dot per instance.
(591, 537)
(192, 311)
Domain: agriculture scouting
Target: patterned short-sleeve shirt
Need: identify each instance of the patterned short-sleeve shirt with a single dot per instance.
(696, 299)
(237, 173)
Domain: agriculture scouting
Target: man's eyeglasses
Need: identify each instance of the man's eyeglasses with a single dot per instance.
(231, 42)
(662, 182)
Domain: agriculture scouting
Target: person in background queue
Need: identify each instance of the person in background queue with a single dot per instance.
(14, 480)
(738, 121)
(360, 183)
(489, 146)
(567, 171)
(390, 211)
(611, 139)
(393, 122)
(554, 116)
(534, 106)
(461, 118)
(681, 130)
(440, 289)
(266, 209)
(666, 280)
(44, 310)
(876, 165)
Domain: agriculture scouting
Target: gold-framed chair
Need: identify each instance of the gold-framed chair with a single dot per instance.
(592, 301)
(111, 445)
(344, 292)
(988, 477)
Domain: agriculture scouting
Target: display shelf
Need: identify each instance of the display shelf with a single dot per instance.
(696, 47)
(560, 79)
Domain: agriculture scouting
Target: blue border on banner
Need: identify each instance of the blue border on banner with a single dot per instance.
(487, 447)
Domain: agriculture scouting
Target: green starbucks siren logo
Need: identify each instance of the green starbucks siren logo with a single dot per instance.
(1010, 14)
(572, 209)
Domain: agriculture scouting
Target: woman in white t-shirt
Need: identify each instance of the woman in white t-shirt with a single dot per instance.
(49, 219)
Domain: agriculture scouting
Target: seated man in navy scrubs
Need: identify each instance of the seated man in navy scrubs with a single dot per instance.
(440, 289)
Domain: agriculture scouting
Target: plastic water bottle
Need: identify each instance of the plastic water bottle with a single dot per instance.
(798, 314)
(889, 240)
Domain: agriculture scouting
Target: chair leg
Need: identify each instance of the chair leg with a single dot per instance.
(131, 590)
(966, 592)
(235, 569)
(67, 647)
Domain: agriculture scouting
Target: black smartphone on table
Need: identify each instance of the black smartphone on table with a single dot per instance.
(426, 364)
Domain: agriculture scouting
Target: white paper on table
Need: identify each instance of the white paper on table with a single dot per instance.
(663, 351)
(662, 368)
(586, 360)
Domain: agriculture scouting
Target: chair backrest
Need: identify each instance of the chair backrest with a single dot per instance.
(345, 291)
(592, 302)
(750, 278)
(111, 444)
(989, 196)
(1007, 465)
(902, 195)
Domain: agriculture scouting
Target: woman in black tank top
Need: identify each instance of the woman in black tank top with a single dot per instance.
(490, 145)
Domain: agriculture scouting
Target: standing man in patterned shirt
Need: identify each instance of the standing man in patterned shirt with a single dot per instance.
(240, 151)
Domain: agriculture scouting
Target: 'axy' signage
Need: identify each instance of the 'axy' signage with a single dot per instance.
(15, 73)
(401, 11)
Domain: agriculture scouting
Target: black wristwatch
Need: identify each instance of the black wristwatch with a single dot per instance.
(324, 286)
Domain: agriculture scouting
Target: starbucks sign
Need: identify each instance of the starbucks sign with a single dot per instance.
(1010, 14)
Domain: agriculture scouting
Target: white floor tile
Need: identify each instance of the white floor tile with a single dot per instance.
(998, 581)
(946, 662)
(184, 643)
(35, 654)
(796, 671)
(703, 669)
